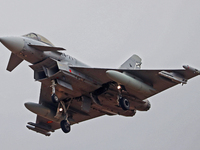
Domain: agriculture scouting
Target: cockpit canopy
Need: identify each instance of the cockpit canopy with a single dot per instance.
(38, 38)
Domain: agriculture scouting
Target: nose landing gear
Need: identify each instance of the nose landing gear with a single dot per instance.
(65, 126)
(54, 97)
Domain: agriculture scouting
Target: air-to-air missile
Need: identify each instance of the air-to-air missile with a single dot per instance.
(191, 69)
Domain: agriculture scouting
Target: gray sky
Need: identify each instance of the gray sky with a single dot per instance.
(165, 34)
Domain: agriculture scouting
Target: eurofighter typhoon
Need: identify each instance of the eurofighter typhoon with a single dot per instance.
(72, 92)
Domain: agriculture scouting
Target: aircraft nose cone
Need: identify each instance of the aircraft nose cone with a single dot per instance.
(14, 44)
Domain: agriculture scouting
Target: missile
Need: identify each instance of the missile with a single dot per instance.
(130, 82)
(39, 130)
(173, 76)
(43, 111)
(191, 69)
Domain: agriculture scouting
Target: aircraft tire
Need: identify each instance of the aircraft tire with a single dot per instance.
(124, 103)
(65, 126)
(54, 98)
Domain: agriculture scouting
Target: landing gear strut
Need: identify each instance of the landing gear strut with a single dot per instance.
(54, 97)
(61, 110)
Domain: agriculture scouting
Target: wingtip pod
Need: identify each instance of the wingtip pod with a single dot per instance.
(189, 68)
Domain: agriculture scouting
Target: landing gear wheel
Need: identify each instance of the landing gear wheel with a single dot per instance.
(124, 103)
(65, 126)
(54, 98)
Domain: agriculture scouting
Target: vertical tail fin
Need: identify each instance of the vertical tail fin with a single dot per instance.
(134, 62)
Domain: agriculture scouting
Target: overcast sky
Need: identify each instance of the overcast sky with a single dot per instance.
(104, 33)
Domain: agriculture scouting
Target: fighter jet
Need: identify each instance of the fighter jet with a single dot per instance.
(72, 92)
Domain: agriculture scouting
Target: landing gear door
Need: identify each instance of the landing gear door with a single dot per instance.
(86, 103)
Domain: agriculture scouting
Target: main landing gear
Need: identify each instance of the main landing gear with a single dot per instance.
(123, 102)
(61, 110)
